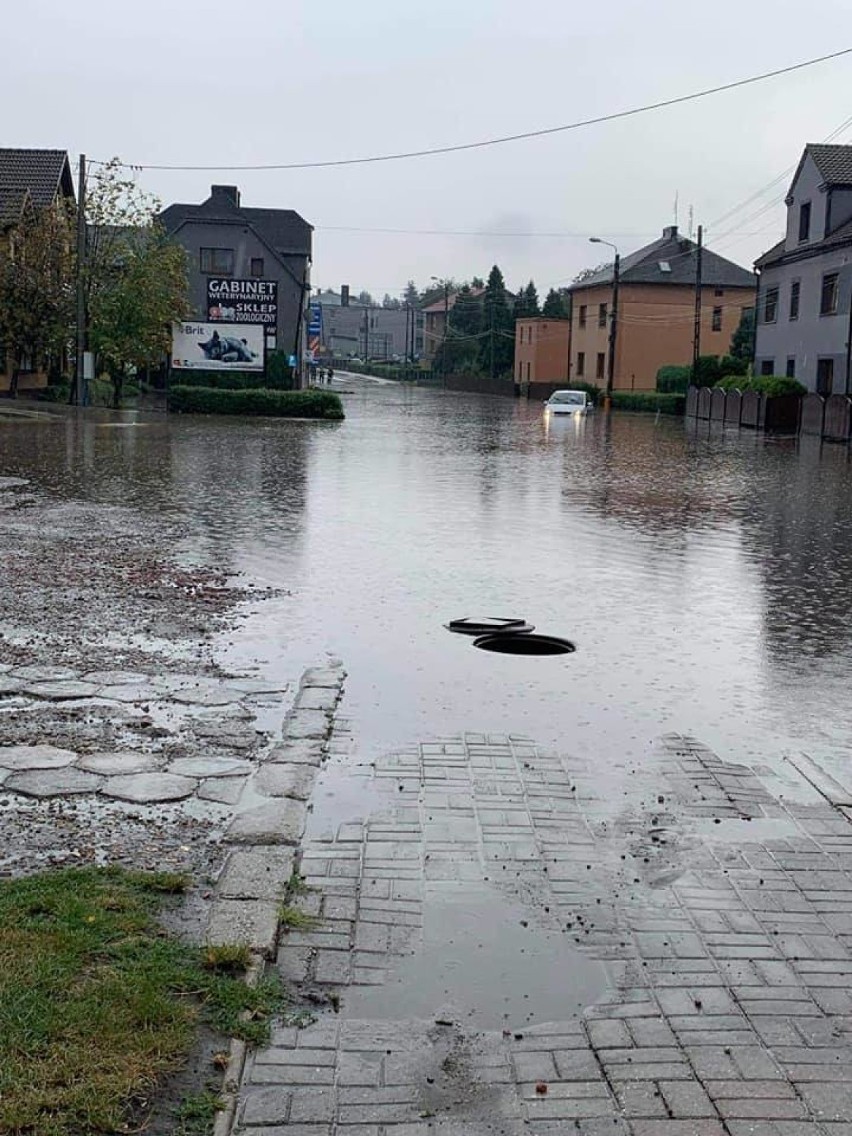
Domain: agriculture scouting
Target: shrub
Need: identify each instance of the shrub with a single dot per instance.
(707, 372)
(762, 384)
(775, 384)
(673, 379)
(731, 365)
(651, 401)
(274, 404)
(279, 373)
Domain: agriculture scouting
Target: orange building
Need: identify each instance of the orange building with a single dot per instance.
(542, 352)
(655, 321)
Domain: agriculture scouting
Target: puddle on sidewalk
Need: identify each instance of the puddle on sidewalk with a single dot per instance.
(482, 966)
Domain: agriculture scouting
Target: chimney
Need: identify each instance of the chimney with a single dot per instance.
(670, 233)
(229, 192)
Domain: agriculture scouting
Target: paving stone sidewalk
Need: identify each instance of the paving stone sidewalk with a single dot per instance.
(723, 914)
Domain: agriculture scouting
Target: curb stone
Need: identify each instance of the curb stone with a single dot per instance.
(255, 876)
(256, 872)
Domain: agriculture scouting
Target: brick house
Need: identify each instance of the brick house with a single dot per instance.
(542, 354)
(656, 308)
(29, 179)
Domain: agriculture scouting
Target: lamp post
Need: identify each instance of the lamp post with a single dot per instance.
(445, 284)
(613, 319)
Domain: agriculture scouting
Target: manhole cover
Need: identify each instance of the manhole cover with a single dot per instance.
(503, 644)
(489, 626)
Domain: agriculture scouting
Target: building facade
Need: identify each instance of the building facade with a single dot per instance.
(542, 352)
(804, 311)
(655, 320)
(39, 179)
(244, 260)
(367, 331)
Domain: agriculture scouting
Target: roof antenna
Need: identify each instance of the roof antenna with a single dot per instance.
(691, 222)
(675, 208)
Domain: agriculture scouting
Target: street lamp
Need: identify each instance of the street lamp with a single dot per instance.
(445, 284)
(613, 322)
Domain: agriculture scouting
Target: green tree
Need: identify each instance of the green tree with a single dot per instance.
(526, 302)
(37, 290)
(366, 299)
(460, 350)
(135, 278)
(555, 305)
(742, 341)
(391, 303)
(411, 297)
(497, 350)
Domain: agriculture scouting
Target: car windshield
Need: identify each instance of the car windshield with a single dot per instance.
(573, 398)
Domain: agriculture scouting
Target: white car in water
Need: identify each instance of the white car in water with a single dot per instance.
(568, 402)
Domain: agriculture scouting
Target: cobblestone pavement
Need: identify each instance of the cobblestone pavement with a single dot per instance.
(716, 899)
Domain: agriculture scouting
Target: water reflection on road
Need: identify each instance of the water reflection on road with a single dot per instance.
(706, 576)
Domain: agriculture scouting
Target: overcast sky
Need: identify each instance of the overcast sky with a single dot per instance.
(212, 82)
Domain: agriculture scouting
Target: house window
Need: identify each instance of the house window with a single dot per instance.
(601, 315)
(257, 266)
(770, 306)
(795, 291)
(791, 368)
(719, 292)
(805, 221)
(520, 371)
(581, 361)
(217, 262)
(828, 298)
(582, 315)
(717, 319)
(767, 367)
(528, 372)
(825, 376)
(599, 369)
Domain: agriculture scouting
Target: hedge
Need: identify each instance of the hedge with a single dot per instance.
(277, 376)
(762, 384)
(711, 369)
(650, 401)
(274, 404)
(673, 379)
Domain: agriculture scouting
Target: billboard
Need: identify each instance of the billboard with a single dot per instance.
(217, 347)
(243, 301)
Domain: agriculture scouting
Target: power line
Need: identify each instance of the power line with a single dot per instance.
(430, 152)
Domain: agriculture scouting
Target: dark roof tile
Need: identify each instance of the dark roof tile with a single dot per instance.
(40, 173)
(283, 229)
(679, 254)
(833, 162)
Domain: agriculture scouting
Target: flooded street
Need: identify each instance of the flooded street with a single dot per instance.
(704, 576)
(518, 892)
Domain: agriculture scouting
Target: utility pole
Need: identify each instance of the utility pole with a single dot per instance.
(366, 333)
(80, 392)
(613, 328)
(696, 338)
(446, 331)
(613, 319)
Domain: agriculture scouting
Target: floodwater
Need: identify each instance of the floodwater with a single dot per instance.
(704, 575)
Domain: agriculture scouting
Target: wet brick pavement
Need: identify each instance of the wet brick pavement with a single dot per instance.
(722, 911)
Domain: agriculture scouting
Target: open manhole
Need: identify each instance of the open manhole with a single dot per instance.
(503, 644)
(493, 626)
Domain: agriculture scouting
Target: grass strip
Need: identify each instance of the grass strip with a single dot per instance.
(98, 1003)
